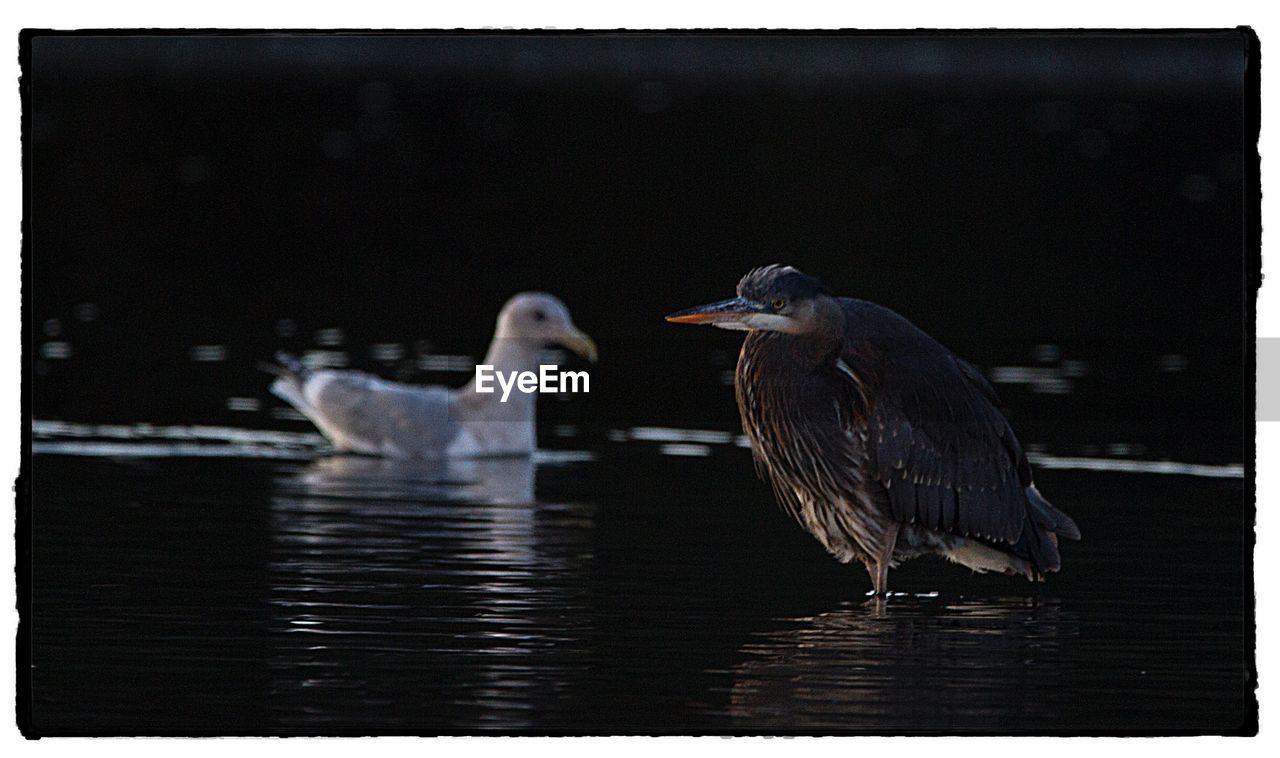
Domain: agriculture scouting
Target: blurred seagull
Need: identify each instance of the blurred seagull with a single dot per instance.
(362, 413)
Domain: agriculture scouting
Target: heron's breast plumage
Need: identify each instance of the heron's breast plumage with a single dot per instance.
(806, 426)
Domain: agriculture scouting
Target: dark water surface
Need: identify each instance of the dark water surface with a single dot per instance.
(650, 586)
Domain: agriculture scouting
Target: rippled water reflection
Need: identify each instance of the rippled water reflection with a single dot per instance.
(453, 569)
(623, 591)
(885, 668)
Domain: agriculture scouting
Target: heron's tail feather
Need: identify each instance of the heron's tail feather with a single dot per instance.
(1049, 517)
(1038, 543)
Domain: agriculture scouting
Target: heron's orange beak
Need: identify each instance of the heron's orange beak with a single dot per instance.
(726, 313)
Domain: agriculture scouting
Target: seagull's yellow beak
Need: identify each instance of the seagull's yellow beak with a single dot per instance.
(578, 341)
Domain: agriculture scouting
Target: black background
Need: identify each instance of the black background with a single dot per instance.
(1001, 190)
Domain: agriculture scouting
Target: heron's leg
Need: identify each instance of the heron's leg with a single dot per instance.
(880, 578)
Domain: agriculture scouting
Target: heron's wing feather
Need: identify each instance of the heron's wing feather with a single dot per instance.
(944, 451)
(937, 442)
(934, 436)
(372, 415)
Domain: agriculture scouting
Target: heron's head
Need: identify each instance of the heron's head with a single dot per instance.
(541, 318)
(772, 298)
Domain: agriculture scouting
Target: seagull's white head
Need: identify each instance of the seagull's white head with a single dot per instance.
(542, 318)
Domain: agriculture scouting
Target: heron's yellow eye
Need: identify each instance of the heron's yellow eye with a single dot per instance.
(779, 304)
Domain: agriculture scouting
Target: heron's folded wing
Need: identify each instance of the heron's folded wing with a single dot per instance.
(942, 449)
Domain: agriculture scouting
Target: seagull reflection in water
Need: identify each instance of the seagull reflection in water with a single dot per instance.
(506, 480)
(448, 572)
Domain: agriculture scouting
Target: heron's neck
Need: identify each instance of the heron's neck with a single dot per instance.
(823, 337)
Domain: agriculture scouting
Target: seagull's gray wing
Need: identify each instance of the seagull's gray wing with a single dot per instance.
(365, 414)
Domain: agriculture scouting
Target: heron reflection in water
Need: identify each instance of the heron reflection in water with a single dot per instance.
(935, 664)
(878, 440)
